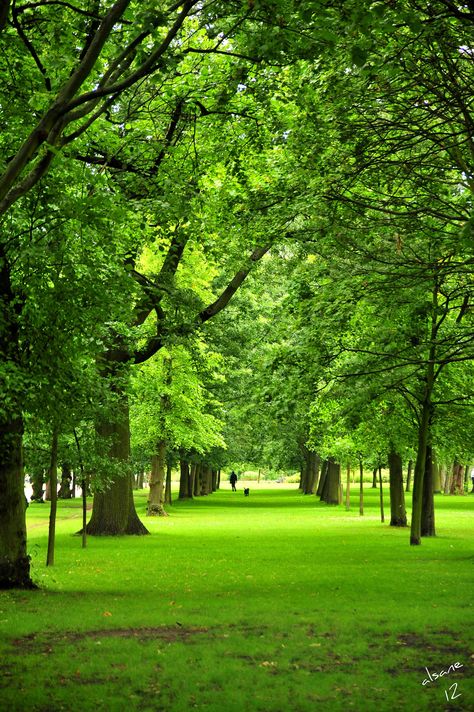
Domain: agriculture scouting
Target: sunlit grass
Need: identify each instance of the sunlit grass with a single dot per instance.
(272, 602)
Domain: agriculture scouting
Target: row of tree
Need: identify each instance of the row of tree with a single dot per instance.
(149, 159)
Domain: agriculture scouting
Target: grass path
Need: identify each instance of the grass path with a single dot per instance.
(270, 603)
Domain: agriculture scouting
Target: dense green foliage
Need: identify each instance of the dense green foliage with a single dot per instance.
(298, 173)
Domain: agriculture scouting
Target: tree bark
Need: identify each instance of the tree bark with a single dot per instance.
(348, 486)
(398, 516)
(14, 561)
(382, 513)
(457, 485)
(37, 482)
(185, 486)
(448, 479)
(374, 478)
(435, 474)
(196, 481)
(168, 499)
(331, 489)
(113, 511)
(322, 479)
(410, 469)
(419, 474)
(313, 473)
(157, 482)
(53, 478)
(427, 512)
(66, 478)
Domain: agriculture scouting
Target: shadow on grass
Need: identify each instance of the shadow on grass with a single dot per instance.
(265, 498)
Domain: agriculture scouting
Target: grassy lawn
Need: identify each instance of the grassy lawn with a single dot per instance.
(273, 602)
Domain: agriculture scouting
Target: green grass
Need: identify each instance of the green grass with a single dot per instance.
(273, 602)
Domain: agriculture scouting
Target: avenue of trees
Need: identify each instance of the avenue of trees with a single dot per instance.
(233, 231)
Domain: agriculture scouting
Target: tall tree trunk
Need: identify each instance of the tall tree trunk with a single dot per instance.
(427, 512)
(157, 481)
(382, 513)
(398, 516)
(214, 480)
(361, 487)
(457, 485)
(331, 488)
(53, 478)
(185, 486)
(410, 470)
(66, 477)
(113, 510)
(219, 478)
(14, 561)
(309, 480)
(197, 480)
(448, 479)
(436, 474)
(424, 426)
(168, 499)
(83, 488)
(37, 482)
(348, 486)
(419, 474)
(322, 479)
(206, 480)
(374, 478)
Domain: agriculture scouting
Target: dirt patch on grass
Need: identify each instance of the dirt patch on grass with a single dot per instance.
(441, 642)
(44, 643)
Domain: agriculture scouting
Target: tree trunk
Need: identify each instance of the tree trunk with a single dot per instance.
(47, 490)
(310, 472)
(206, 480)
(37, 482)
(361, 487)
(435, 474)
(113, 511)
(448, 479)
(457, 485)
(14, 561)
(331, 489)
(214, 480)
(197, 480)
(419, 474)
(348, 487)
(427, 512)
(66, 478)
(219, 478)
(53, 478)
(382, 513)
(410, 469)
(303, 474)
(168, 499)
(322, 479)
(398, 516)
(442, 477)
(185, 482)
(157, 482)
(374, 478)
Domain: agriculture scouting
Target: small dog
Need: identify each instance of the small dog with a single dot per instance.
(246, 491)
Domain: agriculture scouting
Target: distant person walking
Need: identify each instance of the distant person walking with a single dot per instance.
(233, 480)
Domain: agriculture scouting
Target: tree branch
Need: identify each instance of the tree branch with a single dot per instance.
(225, 297)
